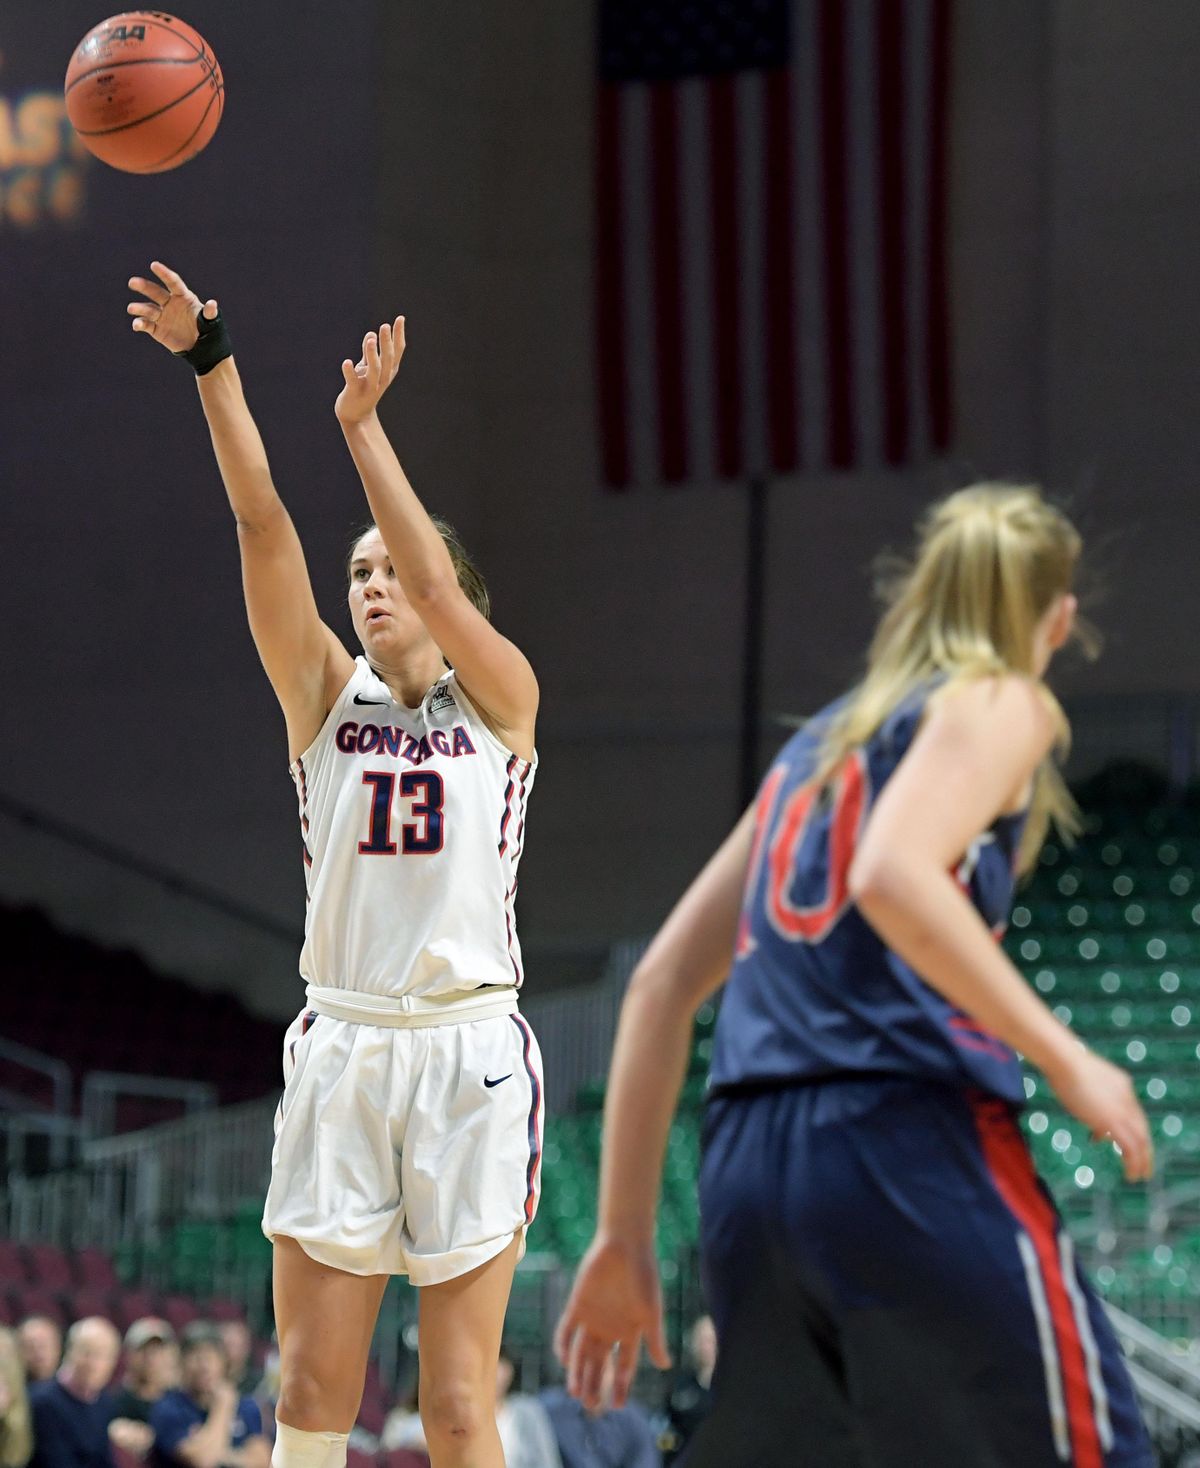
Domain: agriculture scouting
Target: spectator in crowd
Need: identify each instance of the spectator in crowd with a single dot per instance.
(71, 1412)
(204, 1423)
(151, 1369)
(238, 1345)
(40, 1342)
(402, 1427)
(691, 1396)
(526, 1432)
(618, 1437)
(16, 1429)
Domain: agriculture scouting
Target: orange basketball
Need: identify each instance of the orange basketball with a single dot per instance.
(144, 91)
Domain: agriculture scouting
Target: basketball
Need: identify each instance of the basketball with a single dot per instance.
(144, 91)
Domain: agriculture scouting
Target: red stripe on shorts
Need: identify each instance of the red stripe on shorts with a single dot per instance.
(1012, 1171)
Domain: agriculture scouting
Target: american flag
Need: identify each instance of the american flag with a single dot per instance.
(771, 222)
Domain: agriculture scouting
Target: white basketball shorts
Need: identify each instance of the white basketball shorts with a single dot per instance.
(407, 1151)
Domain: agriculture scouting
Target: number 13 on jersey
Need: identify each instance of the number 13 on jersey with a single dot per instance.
(423, 835)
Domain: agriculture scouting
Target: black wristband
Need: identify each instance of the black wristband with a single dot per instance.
(212, 345)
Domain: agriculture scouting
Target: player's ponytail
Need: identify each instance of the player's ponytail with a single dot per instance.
(989, 562)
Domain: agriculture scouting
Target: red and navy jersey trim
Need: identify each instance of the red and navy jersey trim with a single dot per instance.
(535, 1106)
(517, 772)
(511, 840)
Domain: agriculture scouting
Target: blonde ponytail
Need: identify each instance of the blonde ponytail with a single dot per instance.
(989, 562)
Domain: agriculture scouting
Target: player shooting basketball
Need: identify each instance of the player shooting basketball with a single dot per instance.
(408, 1139)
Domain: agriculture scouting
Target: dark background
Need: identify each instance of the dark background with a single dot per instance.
(436, 160)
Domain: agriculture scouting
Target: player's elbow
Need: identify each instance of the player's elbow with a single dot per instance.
(431, 589)
(874, 881)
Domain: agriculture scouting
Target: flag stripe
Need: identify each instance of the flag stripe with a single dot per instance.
(812, 313)
(610, 291)
(917, 115)
(668, 286)
(753, 188)
(779, 304)
(938, 301)
(772, 213)
(839, 360)
(638, 322)
(698, 284)
(890, 54)
(723, 207)
(862, 93)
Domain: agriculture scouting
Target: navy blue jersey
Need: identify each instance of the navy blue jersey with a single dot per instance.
(814, 991)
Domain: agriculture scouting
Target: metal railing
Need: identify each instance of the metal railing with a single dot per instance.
(37, 1142)
(34, 1134)
(102, 1090)
(129, 1189)
(46, 1067)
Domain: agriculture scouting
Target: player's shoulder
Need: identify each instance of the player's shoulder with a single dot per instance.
(1014, 704)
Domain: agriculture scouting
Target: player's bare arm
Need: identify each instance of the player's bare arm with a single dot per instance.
(495, 674)
(979, 748)
(616, 1300)
(306, 664)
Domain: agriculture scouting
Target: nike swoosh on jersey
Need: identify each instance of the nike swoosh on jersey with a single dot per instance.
(489, 1083)
(377, 702)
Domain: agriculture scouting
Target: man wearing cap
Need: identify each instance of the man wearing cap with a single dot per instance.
(152, 1368)
(204, 1423)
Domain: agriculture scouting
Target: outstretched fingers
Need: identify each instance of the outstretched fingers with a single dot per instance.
(391, 342)
(173, 281)
(144, 316)
(150, 289)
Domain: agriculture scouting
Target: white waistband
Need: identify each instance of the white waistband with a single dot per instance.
(411, 1011)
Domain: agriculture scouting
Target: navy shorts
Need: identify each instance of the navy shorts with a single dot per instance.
(893, 1288)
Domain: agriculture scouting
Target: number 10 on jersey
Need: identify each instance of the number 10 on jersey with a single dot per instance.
(421, 836)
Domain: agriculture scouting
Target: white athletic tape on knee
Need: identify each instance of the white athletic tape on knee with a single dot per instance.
(295, 1448)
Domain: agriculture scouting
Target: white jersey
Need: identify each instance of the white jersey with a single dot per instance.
(413, 822)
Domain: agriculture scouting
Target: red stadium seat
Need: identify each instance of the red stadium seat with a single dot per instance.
(223, 1309)
(94, 1268)
(402, 1458)
(132, 1305)
(356, 1458)
(12, 1263)
(83, 1302)
(48, 1267)
(33, 1300)
(179, 1311)
(371, 1415)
